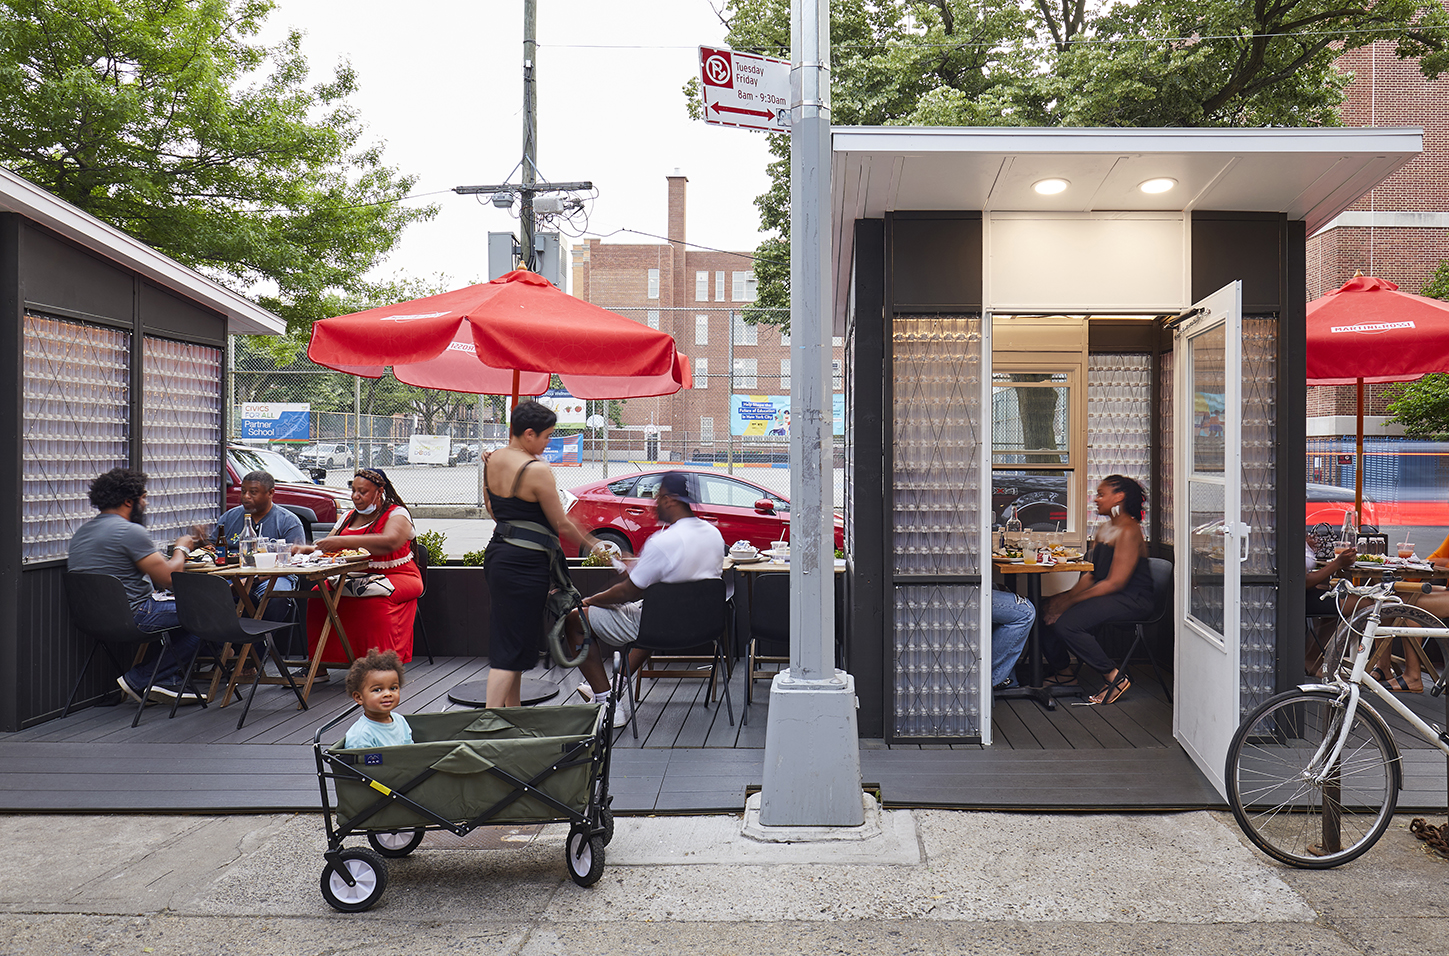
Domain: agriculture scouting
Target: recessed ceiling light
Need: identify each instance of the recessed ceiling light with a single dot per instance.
(1158, 185)
(1050, 187)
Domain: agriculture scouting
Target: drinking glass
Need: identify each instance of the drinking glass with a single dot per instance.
(1406, 549)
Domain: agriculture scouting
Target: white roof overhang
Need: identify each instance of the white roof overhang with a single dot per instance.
(1307, 174)
(24, 197)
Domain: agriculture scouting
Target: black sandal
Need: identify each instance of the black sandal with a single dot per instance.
(1111, 693)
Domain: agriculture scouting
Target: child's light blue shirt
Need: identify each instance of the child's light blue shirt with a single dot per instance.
(371, 733)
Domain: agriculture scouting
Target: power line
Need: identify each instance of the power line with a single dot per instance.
(695, 245)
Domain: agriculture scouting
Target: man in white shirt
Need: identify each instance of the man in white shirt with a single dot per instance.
(686, 549)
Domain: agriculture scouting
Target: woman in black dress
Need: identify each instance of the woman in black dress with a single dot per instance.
(1118, 588)
(523, 499)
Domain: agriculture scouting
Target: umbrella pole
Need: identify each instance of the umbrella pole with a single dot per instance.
(1358, 460)
(515, 394)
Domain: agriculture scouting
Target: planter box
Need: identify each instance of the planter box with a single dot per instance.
(456, 608)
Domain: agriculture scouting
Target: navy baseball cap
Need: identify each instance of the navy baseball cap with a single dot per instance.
(676, 484)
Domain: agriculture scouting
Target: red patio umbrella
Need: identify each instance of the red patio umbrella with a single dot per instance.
(1369, 331)
(504, 337)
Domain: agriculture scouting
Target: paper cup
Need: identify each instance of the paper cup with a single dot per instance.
(265, 559)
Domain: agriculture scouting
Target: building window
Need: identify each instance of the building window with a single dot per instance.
(701, 373)
(746, 372)
(837, 341)
(719, 287)
(706, 428)
(744, 287)
(785, 376)
(701, 287)
(653, 283)
(785, 338)
(746, 333)
(701, 330)
(653, 319)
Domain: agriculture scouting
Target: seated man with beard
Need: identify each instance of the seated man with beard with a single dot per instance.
(113, 542)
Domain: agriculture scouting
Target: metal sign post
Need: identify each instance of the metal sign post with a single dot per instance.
(812, 748)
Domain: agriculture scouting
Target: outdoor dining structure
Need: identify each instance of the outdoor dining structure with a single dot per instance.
(1051, 306)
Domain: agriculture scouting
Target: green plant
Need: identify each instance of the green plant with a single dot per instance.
(473, 559)
(598, 559)
(435, 542)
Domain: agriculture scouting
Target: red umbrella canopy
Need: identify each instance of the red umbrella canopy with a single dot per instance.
(474, 339)
(1370, 330)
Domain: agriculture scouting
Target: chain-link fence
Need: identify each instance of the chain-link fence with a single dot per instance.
(736, 418)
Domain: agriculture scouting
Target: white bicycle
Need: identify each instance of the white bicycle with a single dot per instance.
(1313, 774)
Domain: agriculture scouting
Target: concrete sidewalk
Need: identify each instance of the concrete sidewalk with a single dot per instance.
(965, 882)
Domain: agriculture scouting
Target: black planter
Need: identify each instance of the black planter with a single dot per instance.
(455, 610)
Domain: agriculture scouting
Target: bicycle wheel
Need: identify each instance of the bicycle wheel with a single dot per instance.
(1435, 649)
(1282, 809)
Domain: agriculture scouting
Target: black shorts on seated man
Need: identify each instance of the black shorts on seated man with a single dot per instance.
(685, 549)
(115, 542)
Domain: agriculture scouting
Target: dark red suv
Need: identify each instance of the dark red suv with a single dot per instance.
(318, 507)
(621, 510)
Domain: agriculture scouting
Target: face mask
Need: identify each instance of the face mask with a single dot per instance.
(368, 510)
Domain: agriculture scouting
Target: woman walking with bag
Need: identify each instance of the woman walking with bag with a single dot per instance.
(523, 501)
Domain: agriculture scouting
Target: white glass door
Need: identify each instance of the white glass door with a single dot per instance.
(1211, 539)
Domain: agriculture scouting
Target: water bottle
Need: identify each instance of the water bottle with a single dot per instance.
(246, 545)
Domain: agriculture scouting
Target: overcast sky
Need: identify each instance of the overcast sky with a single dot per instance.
(440, 83)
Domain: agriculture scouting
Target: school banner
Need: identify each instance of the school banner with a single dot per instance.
(278, 421)
(769, 415)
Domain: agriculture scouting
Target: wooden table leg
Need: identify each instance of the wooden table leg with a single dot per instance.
(330, 597)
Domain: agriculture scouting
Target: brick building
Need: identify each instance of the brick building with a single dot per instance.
(696, 294)
(1399, 230)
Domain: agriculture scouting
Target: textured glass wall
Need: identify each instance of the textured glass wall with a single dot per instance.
(76, 425)
(936, 661)
(938, 442)
(1119, 422)
(181, 448)
(1164, 445)
(1260, 508)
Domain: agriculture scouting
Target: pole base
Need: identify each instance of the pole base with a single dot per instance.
(812, 754)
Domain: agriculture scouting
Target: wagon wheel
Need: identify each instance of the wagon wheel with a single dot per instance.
(396, 843)
(369, 874)
(606, 820)
(584, 856)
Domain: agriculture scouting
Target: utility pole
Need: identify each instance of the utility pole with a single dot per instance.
(530, 135)
(812, 747)
(503, 193)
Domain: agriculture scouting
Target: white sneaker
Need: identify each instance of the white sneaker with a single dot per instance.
(623, 712)
(128, 690)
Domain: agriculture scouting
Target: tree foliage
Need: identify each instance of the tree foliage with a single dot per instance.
(166, 119)
(1074, 63)
(1422, 406)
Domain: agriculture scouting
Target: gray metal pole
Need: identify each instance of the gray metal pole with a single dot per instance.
(530, 133)
(812, 755)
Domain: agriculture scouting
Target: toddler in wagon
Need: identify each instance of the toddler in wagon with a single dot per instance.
(375, 682)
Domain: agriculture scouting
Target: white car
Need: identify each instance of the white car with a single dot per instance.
(325, 455)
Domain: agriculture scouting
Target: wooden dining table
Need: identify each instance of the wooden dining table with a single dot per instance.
(328, 579)
(1037, 690)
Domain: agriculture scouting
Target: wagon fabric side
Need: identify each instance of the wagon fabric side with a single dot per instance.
(462, 746)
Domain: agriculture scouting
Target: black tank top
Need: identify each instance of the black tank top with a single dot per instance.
(512, 508)
(1139, 585)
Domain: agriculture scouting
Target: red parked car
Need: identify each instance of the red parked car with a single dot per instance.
(621, 510)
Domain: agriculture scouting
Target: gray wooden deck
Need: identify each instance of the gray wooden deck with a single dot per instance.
(687, 757)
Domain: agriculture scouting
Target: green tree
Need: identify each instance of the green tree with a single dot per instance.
(1071, 63)
(165, 119)
(1422, 406)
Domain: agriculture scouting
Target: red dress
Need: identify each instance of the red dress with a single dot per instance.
(385, 623)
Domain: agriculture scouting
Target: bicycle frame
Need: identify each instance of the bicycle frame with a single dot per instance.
(1359, 677)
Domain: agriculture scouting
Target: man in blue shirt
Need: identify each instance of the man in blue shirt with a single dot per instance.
(270, 521)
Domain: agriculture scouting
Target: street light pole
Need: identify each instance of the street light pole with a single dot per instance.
(530, 134)
(812, 748)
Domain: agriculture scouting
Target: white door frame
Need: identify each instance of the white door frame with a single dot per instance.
(1205, 676)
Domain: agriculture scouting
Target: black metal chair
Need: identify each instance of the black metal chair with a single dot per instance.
(769, 629)
(100, 609)
(206, 608)
(1161, 601)
(678, 618)
(420, 630)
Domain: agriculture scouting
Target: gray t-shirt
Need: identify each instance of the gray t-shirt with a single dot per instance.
(109, 544)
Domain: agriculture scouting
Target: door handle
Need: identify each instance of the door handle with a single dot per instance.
(1243, 530)
(633, 511)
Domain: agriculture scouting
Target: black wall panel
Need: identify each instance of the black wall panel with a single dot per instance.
(171, 316)
(65, 277)
(1239, 245)
(935, 261)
